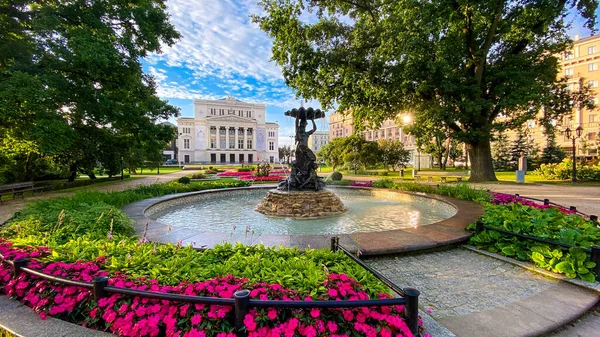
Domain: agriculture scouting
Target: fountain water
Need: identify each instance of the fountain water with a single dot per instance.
(302, 194)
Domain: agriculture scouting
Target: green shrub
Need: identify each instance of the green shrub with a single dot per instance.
(384, 183)
(383, 173)
(549, 224)
(244, 169)
(184, 180)
(336, 176)
(198, 176)
(564, 171)
(169, 264)
(211, 171)
(459, 191)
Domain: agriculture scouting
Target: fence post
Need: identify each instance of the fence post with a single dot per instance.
(18, 264)
(334, 244)
(478, 227)
(595, 257)
(594, 218)
(99, 283)
(546, 202)
(242, 301)
(411, 309)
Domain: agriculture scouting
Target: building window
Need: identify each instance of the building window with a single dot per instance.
(592, 118)
(249, 132)
(249, 114)
(186, 143)
(250, 144)
(231, 131)
(592, 66)
(213, 130)
(271, 146)
(568, 55)
(591, 50)
(569, 72)
(593, 84)
(240, 143)
(231, 143)
(222, 131)
(221, 112)
(213, 143)
(591, 136)
(212, 111)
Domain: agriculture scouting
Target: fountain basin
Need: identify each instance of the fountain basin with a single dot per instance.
(301, 204)
(371, 240)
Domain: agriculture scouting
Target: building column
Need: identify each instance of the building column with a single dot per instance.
(236, 137)
(245, 138)
(226, 138)
(254, 147)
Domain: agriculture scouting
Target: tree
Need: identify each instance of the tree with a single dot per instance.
(71, 80)
(519, 147)
(285, 153)
(358, 152)
(393, 154)
(501, 153)
(331, 152)
(552, 153)
(465, 63)
(455, 152)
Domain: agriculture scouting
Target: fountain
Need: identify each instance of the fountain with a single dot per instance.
(302, 193)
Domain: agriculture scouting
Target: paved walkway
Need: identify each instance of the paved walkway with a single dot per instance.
(586, 198)
(8, 208)
(475, 295)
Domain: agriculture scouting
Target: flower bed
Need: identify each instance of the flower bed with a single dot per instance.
(235, 174)
(503, 199)
(362, 184)
(267, 178)
(134, 316)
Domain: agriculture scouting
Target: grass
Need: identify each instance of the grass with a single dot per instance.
(163, 170)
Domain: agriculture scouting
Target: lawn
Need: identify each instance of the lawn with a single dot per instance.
(163, 170)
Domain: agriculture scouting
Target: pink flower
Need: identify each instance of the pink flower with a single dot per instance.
(196, 319)
(249, 322)
(332, 293)
(43, 316)
(332, 327)
(272, 314)
(315, 312)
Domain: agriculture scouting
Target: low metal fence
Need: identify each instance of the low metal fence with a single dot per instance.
(547, 202)
(241, 301)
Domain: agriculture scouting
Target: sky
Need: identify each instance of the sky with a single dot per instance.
(223, 53)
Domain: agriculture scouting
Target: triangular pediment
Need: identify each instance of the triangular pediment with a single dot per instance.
(230, 118)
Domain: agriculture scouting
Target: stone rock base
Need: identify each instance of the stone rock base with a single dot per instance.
(301, 204)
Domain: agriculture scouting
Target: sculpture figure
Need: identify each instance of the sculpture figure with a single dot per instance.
(304, 174)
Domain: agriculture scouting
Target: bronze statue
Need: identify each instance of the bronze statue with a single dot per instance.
(304, 174)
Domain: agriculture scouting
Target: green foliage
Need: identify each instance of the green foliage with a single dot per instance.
(169, 264)
(552, 153)
(198, 176)
(336, 176)
(184, 180)
(549, 224)
(392, 154)
(454, 64)
(564, 171)
(460, 191)
(72, 90)
(244, 169)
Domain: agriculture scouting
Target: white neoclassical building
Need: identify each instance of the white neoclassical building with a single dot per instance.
(317, 140)
(227, 131)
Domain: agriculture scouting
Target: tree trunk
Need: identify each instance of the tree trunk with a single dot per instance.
(73, 170)
(482, 168)
(91, 174)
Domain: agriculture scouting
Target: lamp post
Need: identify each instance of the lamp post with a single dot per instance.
(122, 175)
(570, 135)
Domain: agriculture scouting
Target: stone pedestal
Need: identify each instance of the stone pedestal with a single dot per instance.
(301, 204)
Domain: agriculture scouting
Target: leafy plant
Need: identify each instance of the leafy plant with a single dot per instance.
(184, 180)
(546, 223)
(336, 176)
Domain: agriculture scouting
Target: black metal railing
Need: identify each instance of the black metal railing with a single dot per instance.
(594, 251)
(241, 301)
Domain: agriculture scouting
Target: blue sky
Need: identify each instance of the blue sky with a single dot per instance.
(223, 53)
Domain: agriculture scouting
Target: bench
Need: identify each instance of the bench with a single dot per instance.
(17, 189)
(443, 175)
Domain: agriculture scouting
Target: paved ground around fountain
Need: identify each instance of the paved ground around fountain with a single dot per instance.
(476, 295)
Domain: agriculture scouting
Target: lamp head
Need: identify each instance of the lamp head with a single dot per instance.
(578, 131)
(568, 132)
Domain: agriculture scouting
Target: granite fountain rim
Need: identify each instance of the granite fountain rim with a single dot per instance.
(444, 233)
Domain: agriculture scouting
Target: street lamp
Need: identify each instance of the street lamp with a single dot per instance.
(570, 135)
